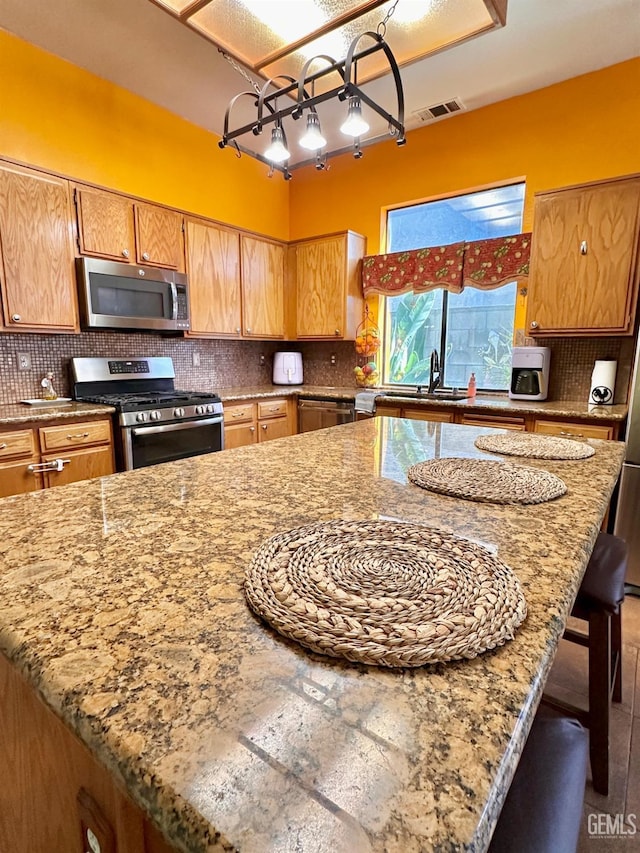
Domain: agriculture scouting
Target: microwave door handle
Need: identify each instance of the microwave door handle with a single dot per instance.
(174, 299)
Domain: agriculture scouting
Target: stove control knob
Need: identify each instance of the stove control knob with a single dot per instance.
(200, 410)
(141, 417)
(155, 416)
(210, 408)
(178, 413)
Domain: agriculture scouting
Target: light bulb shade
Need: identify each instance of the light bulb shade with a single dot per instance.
(313, 140)
(354, 124)
(277, 151)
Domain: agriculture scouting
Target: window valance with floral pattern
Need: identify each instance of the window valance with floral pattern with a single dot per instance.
(485, 264)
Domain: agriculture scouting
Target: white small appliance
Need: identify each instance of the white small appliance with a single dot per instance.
(603, 383)
(287, 368)
(530, 373)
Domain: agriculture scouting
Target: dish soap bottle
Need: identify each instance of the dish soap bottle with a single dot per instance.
(49, 392)
(471, 387)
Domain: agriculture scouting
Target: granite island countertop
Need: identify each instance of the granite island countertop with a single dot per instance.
(488, 403)
(130, 622)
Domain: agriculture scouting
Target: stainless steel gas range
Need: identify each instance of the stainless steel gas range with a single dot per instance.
(157, 422)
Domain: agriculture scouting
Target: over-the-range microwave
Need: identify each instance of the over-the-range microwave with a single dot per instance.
(125, 296)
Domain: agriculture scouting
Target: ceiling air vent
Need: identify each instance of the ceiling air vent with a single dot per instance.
(440, 110)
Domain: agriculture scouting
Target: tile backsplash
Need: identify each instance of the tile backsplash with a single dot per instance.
(225, 364)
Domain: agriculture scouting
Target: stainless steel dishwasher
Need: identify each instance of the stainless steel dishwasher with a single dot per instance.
(317, 413)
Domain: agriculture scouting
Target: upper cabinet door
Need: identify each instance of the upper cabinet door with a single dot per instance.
(329, 302)
(159, 237)
(262, 288)
(36, 239)
(105, 225)
(583, 276)
(213, 265)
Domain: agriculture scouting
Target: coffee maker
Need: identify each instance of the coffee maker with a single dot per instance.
(529, 373)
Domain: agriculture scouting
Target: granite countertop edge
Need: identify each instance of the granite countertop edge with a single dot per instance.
(482, 402)
(19, 413)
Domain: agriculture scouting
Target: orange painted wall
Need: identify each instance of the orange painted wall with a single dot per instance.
(580, 130)
(60, 117)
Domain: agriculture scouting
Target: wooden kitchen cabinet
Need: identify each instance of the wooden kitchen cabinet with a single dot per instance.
(328, 286)
(575, 430)
(262, 276)
(37, 275)
(258, 421)
(422, 413)
(213, 266)
(120, 228)
(584, 271)
(28, 456)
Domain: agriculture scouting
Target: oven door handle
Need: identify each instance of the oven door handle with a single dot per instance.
(151, 430)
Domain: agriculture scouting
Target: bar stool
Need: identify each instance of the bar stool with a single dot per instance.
(543, 808)
(598, 603)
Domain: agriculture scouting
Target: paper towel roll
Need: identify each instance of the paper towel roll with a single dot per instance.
(603, 383)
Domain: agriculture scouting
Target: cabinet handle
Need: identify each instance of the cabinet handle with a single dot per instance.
(3, 445)
(237, 414)
(248, 331)
(252, 429)
(125, 253)
(571, 434)
(16, 318)
(78, 435)
(534, 324)
(274, 409)
(584, 248)
(264, 426)
(145, 256)
(237, 330)
(337, 333)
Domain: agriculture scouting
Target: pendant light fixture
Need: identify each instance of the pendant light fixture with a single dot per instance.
(300, 97)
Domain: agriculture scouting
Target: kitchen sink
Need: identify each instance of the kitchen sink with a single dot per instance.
(453, 395)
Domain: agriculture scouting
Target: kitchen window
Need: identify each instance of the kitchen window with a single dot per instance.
(473, 330)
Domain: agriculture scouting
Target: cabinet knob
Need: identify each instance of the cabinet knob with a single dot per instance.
(252, 429)
(237, 330)
(584, 248)
(264, 427)
(145, 256)
(248, 331)
(16, 318)
(3, 445)
(534, 324)
(338, 333)
(125, 253)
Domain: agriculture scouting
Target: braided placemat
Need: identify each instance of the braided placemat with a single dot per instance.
(486, 481)
(385, 593)
(534, 446)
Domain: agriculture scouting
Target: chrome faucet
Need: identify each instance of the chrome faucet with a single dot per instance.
(434, 368)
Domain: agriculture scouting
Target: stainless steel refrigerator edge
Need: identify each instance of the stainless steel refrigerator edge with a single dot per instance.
(627, 524)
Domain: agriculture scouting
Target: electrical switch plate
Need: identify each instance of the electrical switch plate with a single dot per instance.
(263, 361)
(24, 361)
(195, 359)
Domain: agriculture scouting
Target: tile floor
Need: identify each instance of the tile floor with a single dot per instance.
(568, 681)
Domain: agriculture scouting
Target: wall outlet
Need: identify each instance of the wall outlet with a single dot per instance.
(195, 359)
(263, 361)
(332, 359)
(24, 361)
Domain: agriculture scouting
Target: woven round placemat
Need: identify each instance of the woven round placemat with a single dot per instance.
(385, 593)
(534, 446)
(486, 481)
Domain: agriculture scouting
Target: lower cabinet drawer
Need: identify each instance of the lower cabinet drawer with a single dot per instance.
(75, 435)
(570, 430)
(272, 409)
(423, 414)
(238, 413)
(18, 444)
